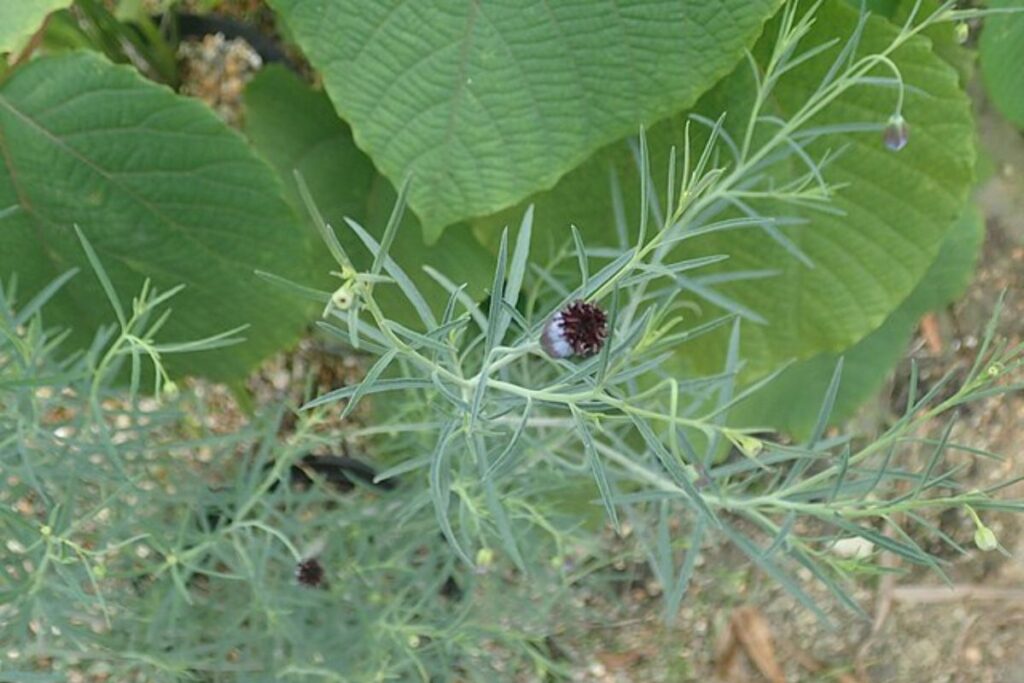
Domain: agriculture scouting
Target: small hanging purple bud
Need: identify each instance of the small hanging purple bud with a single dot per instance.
(897, 133)
(578, 329)
(310, 572)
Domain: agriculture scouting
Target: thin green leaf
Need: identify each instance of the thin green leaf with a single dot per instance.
(368, 382)
(44, 295)
(391, 229)
(500, 464)
(597, 467)
(517, 266)
(395, 271)
(674, 468)
(458, 292)
(844, 464)
(605, 355)
(440, 489)
(581, 257)
(675, 596)
(496, 314)
(403, 467)
(937, 454)
(309, 293)
(827, 405)
(101, 275)
(378, 387)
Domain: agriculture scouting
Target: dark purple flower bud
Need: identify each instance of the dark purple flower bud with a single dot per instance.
(897, 133)
(310, 573)
(578, 329)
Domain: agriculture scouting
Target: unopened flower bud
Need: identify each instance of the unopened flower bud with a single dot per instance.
(484, 558)
(578, 329)
(750, 446)
(962, 32)
(897, 133)
(854, 548)
(985, 539)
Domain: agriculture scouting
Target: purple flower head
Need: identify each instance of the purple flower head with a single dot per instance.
(897, 133)
(578, 329)
(310, 572)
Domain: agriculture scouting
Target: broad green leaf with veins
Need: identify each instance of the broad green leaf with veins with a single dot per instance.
(296, 128)
(488, 102)
(162, 189)
(792, 401)
(897, 207)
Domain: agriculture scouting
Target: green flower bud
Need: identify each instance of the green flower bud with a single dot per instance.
(484, 558)
(962, 32)
(750, 446)
(985, 539)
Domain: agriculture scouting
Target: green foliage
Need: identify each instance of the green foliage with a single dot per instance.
(486, 103)
(296, 129)
(885, 8)
(140, 538)
(20, 18)
(494, 409)
(163, 189)
(791, 400)
(1002, 53)
(145, 543)
(841, 248)
(492, 103)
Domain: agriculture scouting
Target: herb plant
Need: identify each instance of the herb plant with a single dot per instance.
(143, 545)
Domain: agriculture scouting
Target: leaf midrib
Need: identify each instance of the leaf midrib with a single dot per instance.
(57, 142)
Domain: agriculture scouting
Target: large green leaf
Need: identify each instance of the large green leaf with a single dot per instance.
(19, 18)
(898, 206)
(792, 401)
(1002, 59)
(487, 102)
(162, 188)
(296, 128)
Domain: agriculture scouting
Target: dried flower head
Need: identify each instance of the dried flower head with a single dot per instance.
(310, 572)
(578, 329)
(897, 133)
